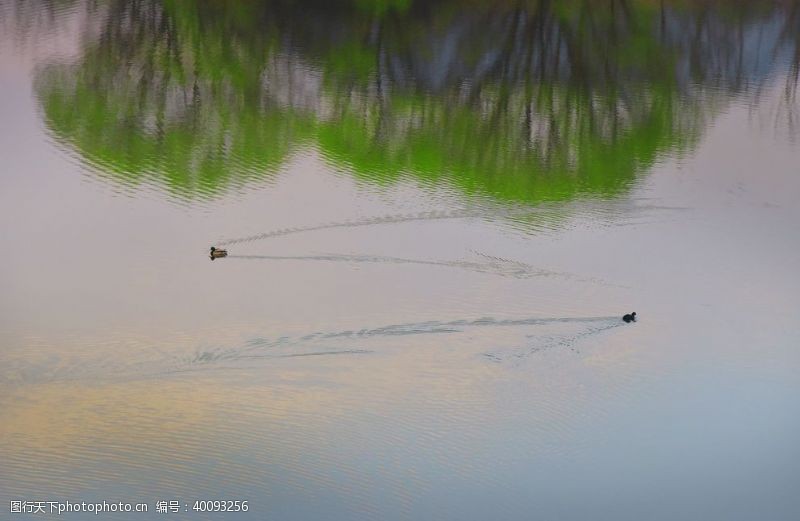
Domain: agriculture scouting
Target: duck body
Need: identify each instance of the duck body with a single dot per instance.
(629, 318)
(217, 253)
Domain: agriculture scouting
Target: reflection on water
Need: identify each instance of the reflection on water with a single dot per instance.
(436, 213)
(524, 102)
(536, 333)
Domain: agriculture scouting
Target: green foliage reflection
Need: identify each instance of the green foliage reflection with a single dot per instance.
(521, 101)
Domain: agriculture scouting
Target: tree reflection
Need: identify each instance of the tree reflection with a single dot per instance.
(522, 101)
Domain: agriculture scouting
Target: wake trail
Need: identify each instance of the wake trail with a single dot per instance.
(433, 215)
(550, 342)
(313, 345)
(494, 265)
(369, 221)
(265, 345)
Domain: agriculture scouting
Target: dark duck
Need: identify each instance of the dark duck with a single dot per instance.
(217, 253)
(629, 318)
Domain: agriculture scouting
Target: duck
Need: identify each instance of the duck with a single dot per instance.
(217, 253)
(630, 318)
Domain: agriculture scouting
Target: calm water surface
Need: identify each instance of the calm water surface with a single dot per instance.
(436, 214)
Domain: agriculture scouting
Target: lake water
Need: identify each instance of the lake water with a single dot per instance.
(436, 214)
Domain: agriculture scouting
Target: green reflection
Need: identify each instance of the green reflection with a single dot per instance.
(521, 101)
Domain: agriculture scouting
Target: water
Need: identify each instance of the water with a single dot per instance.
(436, 215)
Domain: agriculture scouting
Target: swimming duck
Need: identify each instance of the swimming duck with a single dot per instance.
(630, 318)
(218, 254)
